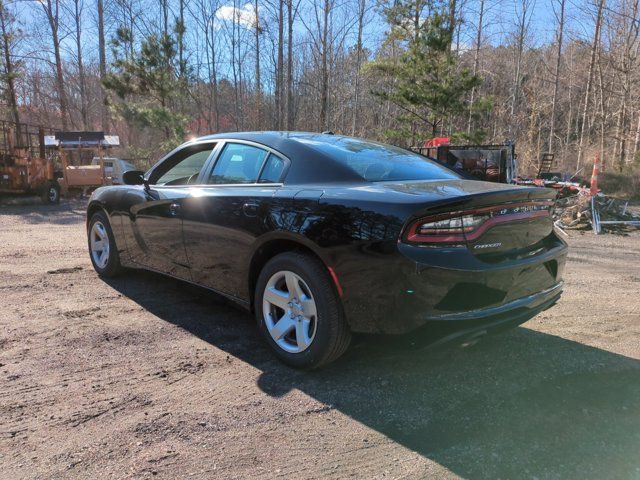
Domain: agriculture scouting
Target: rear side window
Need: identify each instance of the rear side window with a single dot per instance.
(238, 163)
(273, 170)
(377, 162)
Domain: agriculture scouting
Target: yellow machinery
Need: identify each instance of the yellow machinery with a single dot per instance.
(74, 150)
(24, 168)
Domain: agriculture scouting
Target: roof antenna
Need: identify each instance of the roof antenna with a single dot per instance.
(328, 132)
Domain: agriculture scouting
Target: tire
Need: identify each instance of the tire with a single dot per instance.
(100, 231)
(51, 193)
(313, 340)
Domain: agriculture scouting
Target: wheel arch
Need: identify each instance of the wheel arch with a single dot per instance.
(93, 208)
(274, 245)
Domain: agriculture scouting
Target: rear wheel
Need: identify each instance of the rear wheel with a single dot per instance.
(299, 312)
(102, 246)
(51, 192)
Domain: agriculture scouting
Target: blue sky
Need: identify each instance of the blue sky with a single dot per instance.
(500, 18)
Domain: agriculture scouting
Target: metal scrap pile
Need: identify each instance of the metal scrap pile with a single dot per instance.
(598, 212)
(582, 208)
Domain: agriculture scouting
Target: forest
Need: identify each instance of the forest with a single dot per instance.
(557, 76)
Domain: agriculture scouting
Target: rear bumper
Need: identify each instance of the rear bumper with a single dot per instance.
(420, 287)
(473, 326)
(530, 303)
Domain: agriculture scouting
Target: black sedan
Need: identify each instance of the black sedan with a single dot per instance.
(323, 235)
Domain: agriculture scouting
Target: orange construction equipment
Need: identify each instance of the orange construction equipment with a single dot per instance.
(594, 175)
(81, 176)
(24, 167)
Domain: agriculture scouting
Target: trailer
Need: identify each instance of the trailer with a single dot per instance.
(493, 163)
(77, 153)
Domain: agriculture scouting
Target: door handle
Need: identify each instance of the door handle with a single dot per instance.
(174, 209)
(250, 209)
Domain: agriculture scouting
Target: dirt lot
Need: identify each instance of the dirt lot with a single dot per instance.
(144, 376)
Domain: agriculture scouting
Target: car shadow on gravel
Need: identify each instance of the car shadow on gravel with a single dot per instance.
(520, 404)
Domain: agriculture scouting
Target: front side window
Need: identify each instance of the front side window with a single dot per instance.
(182, 168)
(238, 163)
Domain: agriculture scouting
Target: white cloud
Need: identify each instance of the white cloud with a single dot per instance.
(245, 16)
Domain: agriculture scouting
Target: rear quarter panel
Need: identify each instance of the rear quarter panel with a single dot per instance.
(357, 238)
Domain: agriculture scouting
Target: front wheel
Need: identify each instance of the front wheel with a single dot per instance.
(102, 246)
(299, 312)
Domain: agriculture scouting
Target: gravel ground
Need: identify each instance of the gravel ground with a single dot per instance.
(143, 376)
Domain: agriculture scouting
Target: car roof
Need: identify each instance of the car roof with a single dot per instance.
(308, 164)
(272, 135)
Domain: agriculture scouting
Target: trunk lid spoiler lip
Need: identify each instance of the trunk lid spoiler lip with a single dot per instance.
(482, 200)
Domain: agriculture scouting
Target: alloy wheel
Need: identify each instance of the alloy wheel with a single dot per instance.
(289, 311)
(99, 244)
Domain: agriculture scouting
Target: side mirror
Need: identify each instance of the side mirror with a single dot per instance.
(133, 177)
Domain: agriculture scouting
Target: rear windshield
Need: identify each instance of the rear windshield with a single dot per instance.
(377, 162)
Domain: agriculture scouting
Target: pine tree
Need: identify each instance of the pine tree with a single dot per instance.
(427, 84)
(148, 85)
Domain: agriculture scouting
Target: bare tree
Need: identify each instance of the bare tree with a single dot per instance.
(291, 15)
(476, 62)
(523, 17)
(82, 81)
(102, 54)
(636, 141)
(592, 64)
(280, 67)
(9, 73)
(556, 83)
(257, 29)
(626, 67)
(362, 10)
(51, 9)
(322, 22)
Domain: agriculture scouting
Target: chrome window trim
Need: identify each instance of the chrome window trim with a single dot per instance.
(216, 185)
(211, 163)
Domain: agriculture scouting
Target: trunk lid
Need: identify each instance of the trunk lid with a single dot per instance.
(512, 226)
(488, 218)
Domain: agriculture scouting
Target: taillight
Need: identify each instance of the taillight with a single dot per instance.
(459, 227)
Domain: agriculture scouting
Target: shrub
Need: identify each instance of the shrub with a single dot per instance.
(623, 184)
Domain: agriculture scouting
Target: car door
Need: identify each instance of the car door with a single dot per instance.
(154, 234)
(223, 217)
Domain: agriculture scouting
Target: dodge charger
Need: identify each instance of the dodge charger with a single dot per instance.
(322, 236)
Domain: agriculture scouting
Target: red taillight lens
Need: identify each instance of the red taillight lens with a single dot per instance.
(459, 227)
(445, 226)
(448, 228)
